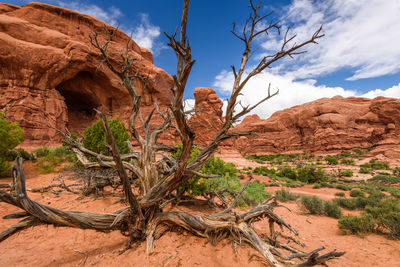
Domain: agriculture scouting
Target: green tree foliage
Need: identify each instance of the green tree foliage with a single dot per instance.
(95, 137)
(227, 184)
(10, 136)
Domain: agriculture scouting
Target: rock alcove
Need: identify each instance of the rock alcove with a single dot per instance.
(82, 94)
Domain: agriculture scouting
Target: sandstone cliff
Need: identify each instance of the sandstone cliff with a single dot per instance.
(327, 124)
(50, 76)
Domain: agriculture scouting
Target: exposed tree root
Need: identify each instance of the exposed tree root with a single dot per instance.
(236, 227)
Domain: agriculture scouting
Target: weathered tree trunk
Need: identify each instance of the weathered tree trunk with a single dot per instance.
(144, 218)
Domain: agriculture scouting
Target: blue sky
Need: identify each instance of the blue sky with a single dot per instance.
(359, 56)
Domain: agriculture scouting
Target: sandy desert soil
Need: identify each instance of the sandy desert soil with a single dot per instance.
(50, 246)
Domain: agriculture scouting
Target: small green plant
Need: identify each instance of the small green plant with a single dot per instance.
(358, 152)
(357, 225)
(386, 179)
(332, 160)
(317, 186)
(287, 171)
(262, 170)
(285, 195)
(356, 193)
(331, 209)
(340, 194)
(364, 170)
(348, 162)
(310, 173)
(345, 154)
(313, 204)
(343, 187)
(396, 171)
(51, 158)
(346, 173)
(375, 165)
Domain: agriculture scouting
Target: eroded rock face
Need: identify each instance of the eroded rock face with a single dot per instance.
(207, 119)
(51, 77)
(327, 124)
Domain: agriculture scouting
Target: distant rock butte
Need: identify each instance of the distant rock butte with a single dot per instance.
(51, 77)
(327, 124)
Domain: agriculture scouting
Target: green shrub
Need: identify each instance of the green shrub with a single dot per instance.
(332, 160)
(226, 184)
(317, 186)
(385, 179)
(345, 154)
(396, 171)
(391, 222)
(287, 171)
(364, 170)
(94, 137)
(311, 174)
(51, 158)
(358, 152)
(5, 168)
(343, 187)
(285, 195)
(348, 162)
(313, 204)
(42, 151)
(23, 154)
(346, 173)
(331, 209)
(348, 203)
(340, 194)
(320, 207)
(11, 135)
(375, 165)
(357, 224)
(262, 170)
(356, 193)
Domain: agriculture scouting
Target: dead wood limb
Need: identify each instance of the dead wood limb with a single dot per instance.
(134, 204)
(24, 224)
(236, 200)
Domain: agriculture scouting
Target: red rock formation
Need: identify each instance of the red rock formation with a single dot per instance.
(50, 76)
(207, 119)
(325, 125)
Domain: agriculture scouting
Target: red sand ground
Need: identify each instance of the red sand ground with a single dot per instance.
(50, 246)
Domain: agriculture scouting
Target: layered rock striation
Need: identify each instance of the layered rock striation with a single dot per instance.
(327, 124)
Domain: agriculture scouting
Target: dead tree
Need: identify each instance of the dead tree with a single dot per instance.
(144, 218)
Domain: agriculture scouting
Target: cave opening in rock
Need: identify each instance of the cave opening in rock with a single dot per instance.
(80, 100)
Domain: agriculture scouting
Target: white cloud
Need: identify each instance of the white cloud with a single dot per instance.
(390, 92)
(291, 92)
(110, 16)
(360, 35)
(146, 34)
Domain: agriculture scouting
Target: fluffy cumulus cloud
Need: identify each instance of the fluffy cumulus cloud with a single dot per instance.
(146, 34)
(361, 35)
(291, 92)
(110, 15)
